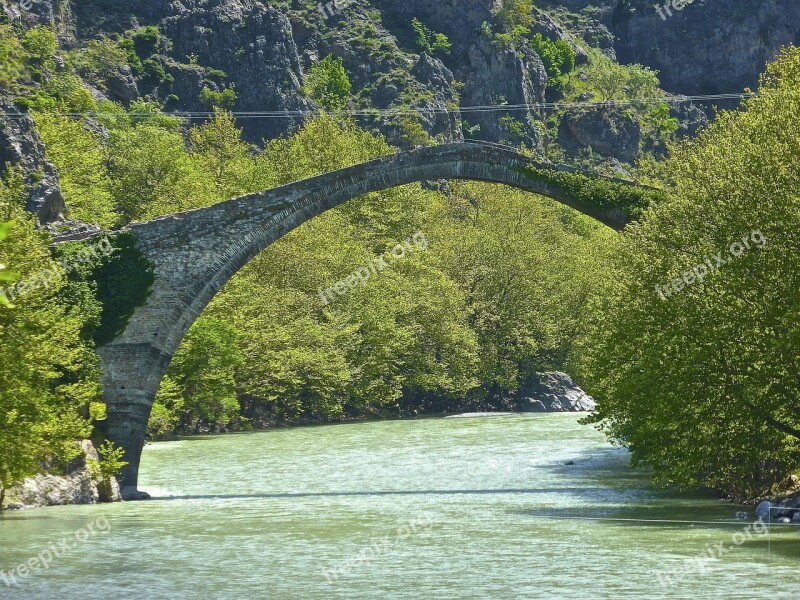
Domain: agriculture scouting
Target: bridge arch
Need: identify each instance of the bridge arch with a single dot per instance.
(195, 253)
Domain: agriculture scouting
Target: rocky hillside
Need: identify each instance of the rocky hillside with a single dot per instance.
(709, 47)
(421, 60)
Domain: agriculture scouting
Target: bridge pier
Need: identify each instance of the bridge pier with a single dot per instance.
(131, 376)
(127, 428)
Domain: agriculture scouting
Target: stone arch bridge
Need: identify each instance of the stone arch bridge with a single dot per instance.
(194, 253)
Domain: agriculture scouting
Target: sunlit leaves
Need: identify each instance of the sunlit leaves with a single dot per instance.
(704, 386)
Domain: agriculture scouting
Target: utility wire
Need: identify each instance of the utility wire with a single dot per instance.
(369, 112)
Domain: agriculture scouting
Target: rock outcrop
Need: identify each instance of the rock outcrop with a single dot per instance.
(491, 74)
(608, 131)
(21, 147)
(552, 392)
(252, 45)
(79, 486)
(709, 47)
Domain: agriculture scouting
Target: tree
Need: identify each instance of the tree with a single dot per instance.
(40, 43)
(5, 276)
(514, 19)
(12, 57)
(558, 56)
(694, 360)
(435, 44)
(218, 149)
(219, 99)
(47, 372)
(100, 60)
(608, 78)
(82, 166)
(203, 374)
(327, 83)
(661, 119)
(642, 82)
(152, 174)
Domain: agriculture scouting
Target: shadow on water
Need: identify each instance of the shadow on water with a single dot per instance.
(284, 495)
(780, 538)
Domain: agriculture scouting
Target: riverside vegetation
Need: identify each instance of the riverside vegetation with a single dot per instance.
(704, 389)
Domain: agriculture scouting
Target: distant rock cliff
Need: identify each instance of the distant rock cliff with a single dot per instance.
(263, 51)
(709, 47)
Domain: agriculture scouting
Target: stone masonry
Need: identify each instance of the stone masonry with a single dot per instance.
(196, 252)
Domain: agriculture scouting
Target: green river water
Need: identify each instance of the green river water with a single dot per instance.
(422, 509)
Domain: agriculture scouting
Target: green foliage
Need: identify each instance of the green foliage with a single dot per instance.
(100, 60)
(153, 69)
(218, 151)
(513, 20)
(200, 389)
(412, 133)
(225, 98)
(123, 284)
(596, 193)
(146, 40)
(165, 415)
(110, 463)
(12, 58)
(327, 84)
(514, 17)
(46, 371)
(152, 173)
(661, 120)
(558, 56)
(5, 276)
(621, 82)
(40, 43)
(514, 127)
(78, 154)
(435, 44)
(702, 385)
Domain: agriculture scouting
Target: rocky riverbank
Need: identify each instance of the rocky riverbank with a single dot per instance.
(80, 485)
(780, 510)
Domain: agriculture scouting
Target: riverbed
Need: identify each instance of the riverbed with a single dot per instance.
(432, 508)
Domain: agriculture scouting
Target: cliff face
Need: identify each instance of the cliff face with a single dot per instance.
(709, 47)
(263, 50)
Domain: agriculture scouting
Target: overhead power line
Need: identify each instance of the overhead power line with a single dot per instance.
(376, 112)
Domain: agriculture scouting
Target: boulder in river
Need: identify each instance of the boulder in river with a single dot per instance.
(783, 508)
(763, 510)
(552, 392)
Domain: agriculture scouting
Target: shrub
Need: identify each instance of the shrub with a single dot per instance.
(435, 44)
(327, 84)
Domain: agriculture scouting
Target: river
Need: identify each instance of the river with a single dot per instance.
(418, 509)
